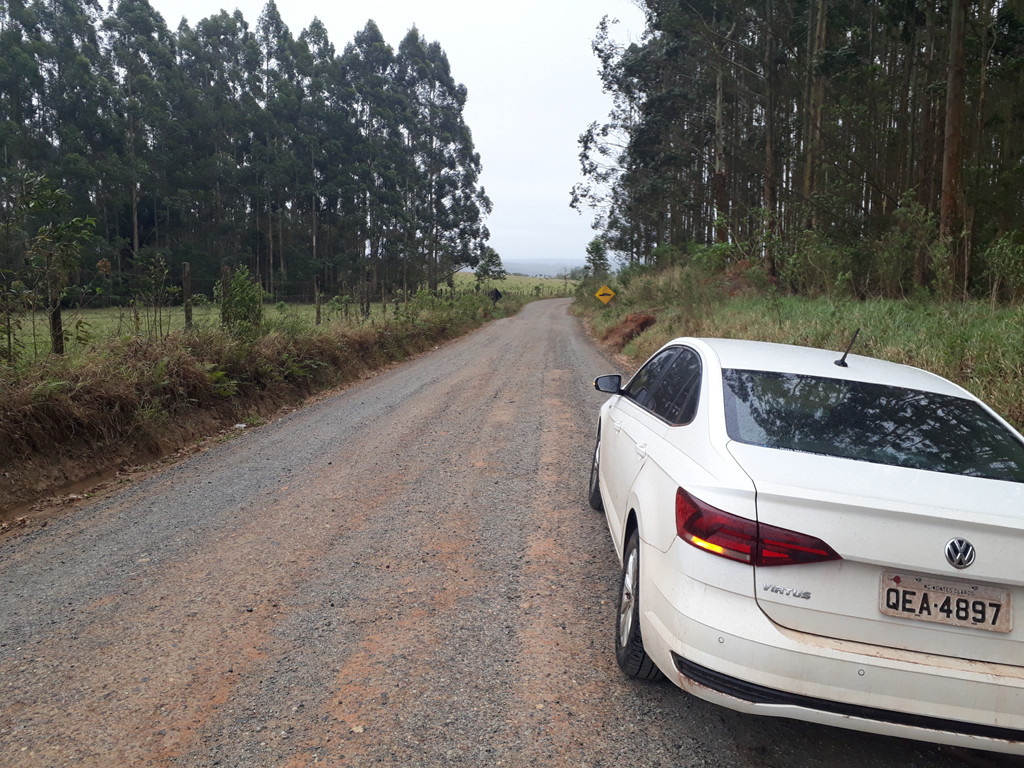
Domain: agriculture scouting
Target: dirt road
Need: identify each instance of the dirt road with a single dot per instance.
(406, 573)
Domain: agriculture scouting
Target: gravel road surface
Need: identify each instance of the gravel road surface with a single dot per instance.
(404, 573)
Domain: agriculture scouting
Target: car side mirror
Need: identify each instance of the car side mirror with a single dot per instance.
(611, 383)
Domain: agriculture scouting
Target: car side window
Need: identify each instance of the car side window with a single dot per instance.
(643, 387)
(669, 385)
(679, 388)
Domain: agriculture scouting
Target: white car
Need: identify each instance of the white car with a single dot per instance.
(824, 537)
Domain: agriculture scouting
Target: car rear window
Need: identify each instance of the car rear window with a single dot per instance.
(870, 422)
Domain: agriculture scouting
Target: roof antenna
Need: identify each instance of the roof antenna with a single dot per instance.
(841, 362)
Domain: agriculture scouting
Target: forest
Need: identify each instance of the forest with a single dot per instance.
(858, 148)
(127, 149)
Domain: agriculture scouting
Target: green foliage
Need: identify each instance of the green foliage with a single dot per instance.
(490, 267)
(1004, 266)
(220, 383)
(912, 240)
(352, 163)
(598, 264)
(153, 292)
(712, 258)
(47, 389)
(817, 266)
(241, 304)
(39, 233)
(667, 256)
(627, 274)
(733, 123)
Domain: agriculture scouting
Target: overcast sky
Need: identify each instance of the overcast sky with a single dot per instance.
(533, 88)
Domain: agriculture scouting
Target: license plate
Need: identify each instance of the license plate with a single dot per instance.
(940, 601)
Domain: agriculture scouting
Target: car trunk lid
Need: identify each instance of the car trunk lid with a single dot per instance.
(892, 525)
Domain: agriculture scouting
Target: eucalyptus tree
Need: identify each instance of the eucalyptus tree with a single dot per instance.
(667, 163)
(141, 50)
(489, 268)
(76, 101)
(222, 141)
(379, 159)
(213, 140)
(316, 147)
(443, 182)
(1003, 125)
(279, 94)
(597, 258)
(844, 118)
(603, 146)
(22, 88)
(336, 140)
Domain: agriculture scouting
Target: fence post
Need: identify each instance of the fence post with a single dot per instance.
(53, 305)
(225, 290)
(316, 297)
(186, 292)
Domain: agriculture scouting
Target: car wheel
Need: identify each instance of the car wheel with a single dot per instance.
(595, 483)
(629, 645)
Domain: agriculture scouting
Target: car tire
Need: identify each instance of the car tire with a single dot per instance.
(629, 645)
(595, 481)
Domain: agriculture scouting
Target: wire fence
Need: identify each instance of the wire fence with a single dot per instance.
(96, 307)
(90, 289)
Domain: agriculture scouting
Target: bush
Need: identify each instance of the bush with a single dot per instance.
(911, 245)
(241, 305)
(1004, 266)
(816, 266)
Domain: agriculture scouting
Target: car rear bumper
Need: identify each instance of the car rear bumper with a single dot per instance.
(718, 645)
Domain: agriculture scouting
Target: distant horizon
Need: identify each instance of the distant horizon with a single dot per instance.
(543, 267)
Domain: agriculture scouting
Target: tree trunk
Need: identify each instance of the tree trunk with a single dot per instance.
(270, 248)
(186, 292)
(135, 219)
(719, 183)
(976, 160)
(53, 302)
(280, 247)
(951, 205)
(815, 90)
(225, 293)
(770, 161)
(313, 204)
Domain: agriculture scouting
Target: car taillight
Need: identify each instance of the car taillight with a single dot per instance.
(747, 541)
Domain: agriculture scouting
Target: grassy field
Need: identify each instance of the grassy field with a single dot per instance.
(88, 327)
(978, 346)
(545, 287)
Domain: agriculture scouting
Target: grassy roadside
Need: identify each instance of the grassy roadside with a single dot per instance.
(978, 346)
(125, 397)
(88, 325)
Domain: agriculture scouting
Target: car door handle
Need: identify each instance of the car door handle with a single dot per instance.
(617, 425)
(641, 450)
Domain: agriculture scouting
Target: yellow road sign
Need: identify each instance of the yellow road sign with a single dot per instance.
(606, 294)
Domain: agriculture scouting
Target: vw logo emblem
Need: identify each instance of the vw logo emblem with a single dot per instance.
(960, 553)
